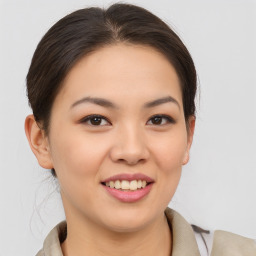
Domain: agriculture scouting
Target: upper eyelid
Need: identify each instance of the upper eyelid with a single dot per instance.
(163, 116)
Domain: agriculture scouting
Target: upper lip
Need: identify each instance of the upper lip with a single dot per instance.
(129, 177)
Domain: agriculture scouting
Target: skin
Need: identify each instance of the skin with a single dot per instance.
(127, 141)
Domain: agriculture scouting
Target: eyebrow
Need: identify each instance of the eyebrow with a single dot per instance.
(108, 104)
(98, 101)
(160, 101)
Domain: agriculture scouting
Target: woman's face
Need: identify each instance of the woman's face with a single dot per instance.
(119, 119)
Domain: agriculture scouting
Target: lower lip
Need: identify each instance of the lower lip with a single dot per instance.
(129, 196)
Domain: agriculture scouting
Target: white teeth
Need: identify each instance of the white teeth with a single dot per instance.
(139, 184)
(117, 184)
(133, 185)
(112, 184)
(127, 185)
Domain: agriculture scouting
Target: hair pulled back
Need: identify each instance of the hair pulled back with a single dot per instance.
(86, 30)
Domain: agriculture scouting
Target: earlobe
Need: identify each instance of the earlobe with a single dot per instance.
(190, 132)
(38, 142)
(186, 158)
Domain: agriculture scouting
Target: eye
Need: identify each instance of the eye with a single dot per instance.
(160, 120)
(95, 120)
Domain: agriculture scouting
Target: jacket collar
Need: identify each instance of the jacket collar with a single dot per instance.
(183, 238)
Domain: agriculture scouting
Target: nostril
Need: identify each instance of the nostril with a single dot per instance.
(129, 152)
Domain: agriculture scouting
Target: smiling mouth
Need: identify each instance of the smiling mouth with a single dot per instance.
(125, 185)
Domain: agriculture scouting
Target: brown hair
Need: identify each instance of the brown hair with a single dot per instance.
(86, 30)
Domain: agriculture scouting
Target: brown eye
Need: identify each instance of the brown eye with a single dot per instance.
(156, 120)
(160, 120)
(95, 120)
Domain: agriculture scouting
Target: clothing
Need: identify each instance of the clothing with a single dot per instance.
(183, 244)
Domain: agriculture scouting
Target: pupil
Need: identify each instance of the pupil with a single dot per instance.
(157, 120)
(96, 120)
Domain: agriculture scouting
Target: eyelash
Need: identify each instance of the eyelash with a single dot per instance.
(88, 119)
(169, 120)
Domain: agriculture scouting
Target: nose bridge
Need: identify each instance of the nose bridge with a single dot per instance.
(130, 145)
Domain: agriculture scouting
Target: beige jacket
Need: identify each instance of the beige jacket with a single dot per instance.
(183, 244)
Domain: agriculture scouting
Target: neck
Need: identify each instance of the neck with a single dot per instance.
(89, 239)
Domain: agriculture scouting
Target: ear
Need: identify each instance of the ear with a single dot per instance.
(190, 132)
(38, 142)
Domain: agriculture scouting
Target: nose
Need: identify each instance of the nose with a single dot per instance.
(129, 146)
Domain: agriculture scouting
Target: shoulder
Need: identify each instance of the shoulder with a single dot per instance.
(52, 243)
(226, 243)
(40, 253)
(223, 243)
(189, 238)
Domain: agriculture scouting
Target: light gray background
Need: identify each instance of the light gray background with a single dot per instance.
(217, 189)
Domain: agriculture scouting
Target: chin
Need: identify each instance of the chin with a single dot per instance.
(129, 220)
(123, 226)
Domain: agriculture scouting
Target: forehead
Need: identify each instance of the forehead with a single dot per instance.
(122, 70)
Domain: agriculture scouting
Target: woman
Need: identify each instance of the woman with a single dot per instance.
(112, 93)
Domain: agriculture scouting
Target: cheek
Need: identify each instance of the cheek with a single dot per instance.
(170, 149)
(169, 152)
(77, 153)
(77, 161)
